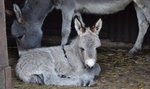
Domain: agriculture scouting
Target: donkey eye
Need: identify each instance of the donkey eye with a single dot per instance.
(97, 48)
(82, 49)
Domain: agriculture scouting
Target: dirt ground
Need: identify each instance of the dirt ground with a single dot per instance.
(119, 71)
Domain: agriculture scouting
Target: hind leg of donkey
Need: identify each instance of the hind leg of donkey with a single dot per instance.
(54, 79)
(143, 27)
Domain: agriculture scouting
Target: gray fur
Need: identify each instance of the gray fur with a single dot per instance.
(63, 65)
(70, 8)
(27, 26)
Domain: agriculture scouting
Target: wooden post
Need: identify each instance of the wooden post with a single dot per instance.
(5, 70)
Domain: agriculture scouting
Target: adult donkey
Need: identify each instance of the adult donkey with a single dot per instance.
(71, 65)
(27, 26)
(70, 8)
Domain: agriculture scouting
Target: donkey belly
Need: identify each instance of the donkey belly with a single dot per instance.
(101, 6)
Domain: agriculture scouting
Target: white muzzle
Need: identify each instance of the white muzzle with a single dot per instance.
(90, 62)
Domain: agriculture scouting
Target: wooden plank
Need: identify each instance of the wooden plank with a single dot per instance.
(5, 70)
(2, 79)
(3, 40)
(8, 83)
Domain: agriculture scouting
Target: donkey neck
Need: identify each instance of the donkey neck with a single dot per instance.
(73, 54)
(73, 49)
(74, 44)
(36, 10)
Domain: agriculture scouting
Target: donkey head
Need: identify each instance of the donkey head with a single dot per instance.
(88, 41)
(27, 33)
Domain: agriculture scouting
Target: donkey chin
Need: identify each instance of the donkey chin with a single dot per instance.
(90, 63)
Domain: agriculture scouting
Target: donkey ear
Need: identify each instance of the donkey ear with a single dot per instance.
(78, 26)
(18, 13)
(97, 28)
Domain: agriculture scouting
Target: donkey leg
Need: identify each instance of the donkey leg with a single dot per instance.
(37, 79)
(54, 79)
(140, 3)
(143, 27)
(66, 25)
(95, 70)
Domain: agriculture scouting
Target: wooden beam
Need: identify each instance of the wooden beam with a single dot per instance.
(5, 70)
(8, 82)
(3, 40)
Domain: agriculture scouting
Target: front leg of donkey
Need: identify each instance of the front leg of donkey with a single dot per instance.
(68, 12)
(67, 16)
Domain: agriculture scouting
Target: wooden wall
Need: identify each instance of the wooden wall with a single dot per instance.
(5, 70)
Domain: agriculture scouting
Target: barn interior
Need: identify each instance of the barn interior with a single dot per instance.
(119, 70)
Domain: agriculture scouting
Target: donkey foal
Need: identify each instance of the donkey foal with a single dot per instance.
(70, 65)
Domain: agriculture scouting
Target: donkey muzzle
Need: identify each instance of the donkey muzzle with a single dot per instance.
(90, 63)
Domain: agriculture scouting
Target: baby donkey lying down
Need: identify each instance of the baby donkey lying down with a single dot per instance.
(70, 65)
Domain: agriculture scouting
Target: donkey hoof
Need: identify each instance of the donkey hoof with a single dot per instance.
(91, 83)
(88, 83)
(133, 51)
